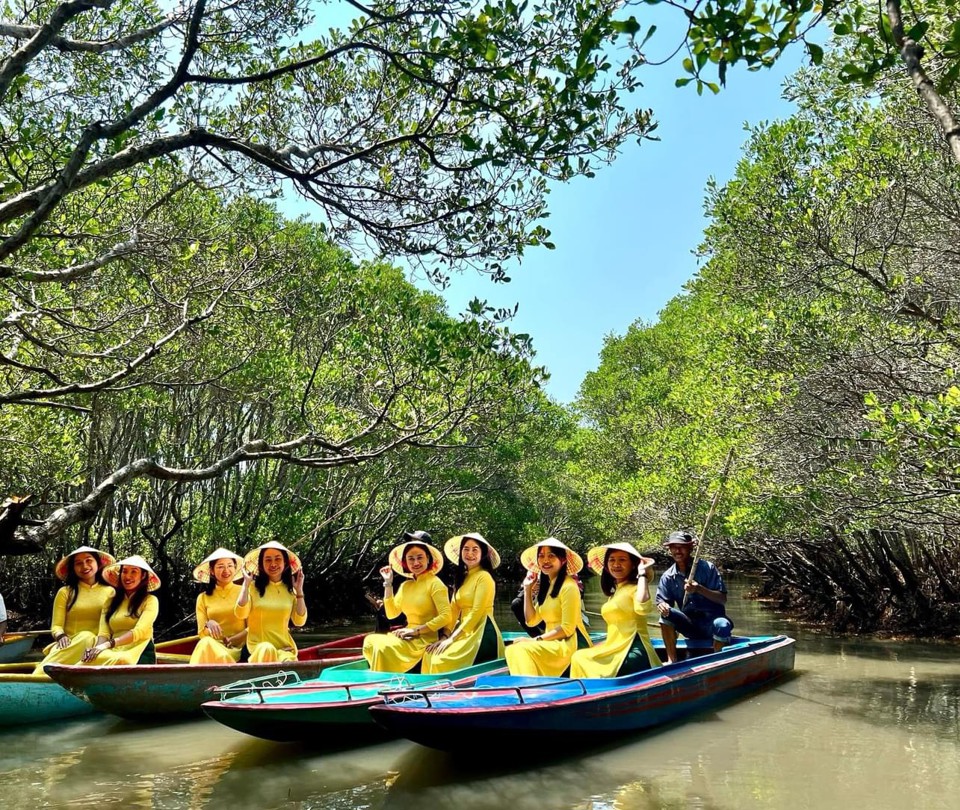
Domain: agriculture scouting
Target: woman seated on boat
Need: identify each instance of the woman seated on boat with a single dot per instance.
(422, 597)
(78, 605)
(126, 624)
(222, 633)
(557, 605)
(275, 601)
(625, 577)
(473, 634)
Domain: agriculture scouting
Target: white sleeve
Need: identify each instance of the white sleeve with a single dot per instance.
(3, 611)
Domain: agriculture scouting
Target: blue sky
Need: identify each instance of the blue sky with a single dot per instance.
(624, 239)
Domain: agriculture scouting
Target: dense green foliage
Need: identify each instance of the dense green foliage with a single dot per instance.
(180, 366)
(821, 340)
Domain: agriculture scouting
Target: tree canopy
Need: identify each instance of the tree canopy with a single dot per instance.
(141, 278)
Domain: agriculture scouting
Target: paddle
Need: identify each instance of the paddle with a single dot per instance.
(706, 523)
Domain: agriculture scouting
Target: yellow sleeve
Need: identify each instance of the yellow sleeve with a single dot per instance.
(646, 607)
(296, 618)
(104, 630)
(441, 601)
(570, 617)
(202, 615)
(454, 616)
(537, 618)
(392, 605)
(243, 611)
(482, 603)
(59, 611)
(143, 629)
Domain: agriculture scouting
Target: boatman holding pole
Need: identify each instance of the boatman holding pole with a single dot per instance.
(691, 598)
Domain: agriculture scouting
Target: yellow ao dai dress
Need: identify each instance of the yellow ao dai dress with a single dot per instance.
(82, 617)
(268, 620)
(121, 622)
(551, 657)
(478, 637)
(628, 639)
(218, 606)
(424, 601)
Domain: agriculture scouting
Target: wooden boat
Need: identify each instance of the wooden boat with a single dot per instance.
(28, 698)
(16, 646)
(290, 708)
(163, 690)
(286, 708)
(510, 711)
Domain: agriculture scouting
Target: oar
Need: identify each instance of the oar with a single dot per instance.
(706, 523)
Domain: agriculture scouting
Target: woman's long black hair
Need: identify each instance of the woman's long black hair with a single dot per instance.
(136, 601)
(261, 580)
(607, 583)
(545, 580)
(461, 572)
(73, 581)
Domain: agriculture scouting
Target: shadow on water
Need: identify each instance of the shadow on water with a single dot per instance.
(591, 772)
(604, 779)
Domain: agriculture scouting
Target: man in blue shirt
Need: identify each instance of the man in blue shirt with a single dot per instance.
(691, 604)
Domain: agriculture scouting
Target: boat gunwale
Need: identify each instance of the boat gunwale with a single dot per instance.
(333, 704)
(647, 680)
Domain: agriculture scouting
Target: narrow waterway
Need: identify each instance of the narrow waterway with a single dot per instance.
(861, 724)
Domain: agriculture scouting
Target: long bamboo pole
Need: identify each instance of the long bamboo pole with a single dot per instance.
(706, 523)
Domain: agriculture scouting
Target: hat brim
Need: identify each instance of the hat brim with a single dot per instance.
(396, 557)
(202, 572)
(451, 548)
(528, 558)
(251, 561)
(60, 570)
(112, 573)
(597, 554)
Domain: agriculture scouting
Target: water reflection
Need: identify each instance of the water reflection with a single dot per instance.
(861, 724)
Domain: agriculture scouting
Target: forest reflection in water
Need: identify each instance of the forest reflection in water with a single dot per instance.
(861, 723)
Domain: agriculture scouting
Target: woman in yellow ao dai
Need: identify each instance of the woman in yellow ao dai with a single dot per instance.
(222, 633)
(78, 605)
(126, 624)
(625, 577)
(473, 636)
(558, 605)
(273, 603)
(422, 599)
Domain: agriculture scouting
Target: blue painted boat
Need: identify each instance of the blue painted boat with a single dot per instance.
(511, 711)
(175, 688)
(285, 708)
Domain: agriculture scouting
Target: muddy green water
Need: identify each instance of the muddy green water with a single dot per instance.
(861, 724)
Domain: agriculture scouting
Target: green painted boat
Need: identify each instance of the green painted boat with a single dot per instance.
(168, 690)
(28, 698)
(285, 708)
(16, 646)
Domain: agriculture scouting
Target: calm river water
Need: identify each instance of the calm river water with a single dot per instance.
(861, 724)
